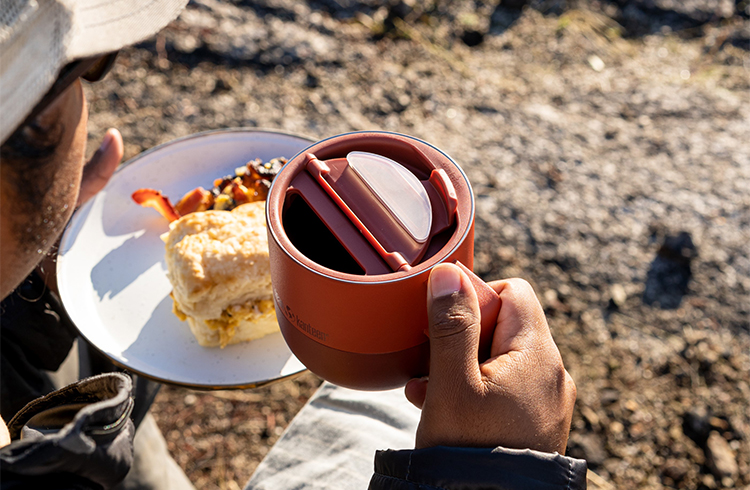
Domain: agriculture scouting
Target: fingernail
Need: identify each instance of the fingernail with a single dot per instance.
(106, 141)
(444, 281)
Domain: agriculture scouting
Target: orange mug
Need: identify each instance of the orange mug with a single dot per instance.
(356, 222)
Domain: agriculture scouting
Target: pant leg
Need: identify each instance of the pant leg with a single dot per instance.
(331, 442)
(153, 467)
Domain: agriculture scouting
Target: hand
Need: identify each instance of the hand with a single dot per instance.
(101, 166)
(96, 174)
(521, 397)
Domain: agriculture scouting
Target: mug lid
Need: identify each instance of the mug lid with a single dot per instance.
(395, 212)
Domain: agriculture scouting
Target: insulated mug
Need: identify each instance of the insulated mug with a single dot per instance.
(356, 222)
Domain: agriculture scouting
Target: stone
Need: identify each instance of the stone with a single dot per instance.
(617, 291)
(720, 457)
(676, 469)
(589, 447)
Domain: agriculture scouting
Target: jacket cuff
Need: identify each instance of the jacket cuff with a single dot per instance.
(473, 468)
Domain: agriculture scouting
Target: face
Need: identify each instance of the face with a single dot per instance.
(31, 222)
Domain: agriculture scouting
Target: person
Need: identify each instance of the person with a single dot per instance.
(80, 436)
(499, 424)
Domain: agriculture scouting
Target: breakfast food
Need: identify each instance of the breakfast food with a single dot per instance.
(218, 265)
(249, 183)
(217, 255)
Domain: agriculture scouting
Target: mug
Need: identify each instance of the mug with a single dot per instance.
(356, 222)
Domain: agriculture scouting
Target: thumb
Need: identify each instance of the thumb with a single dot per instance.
(454, 323)
(102, 165)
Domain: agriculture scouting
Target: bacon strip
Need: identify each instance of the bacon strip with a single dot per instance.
(250, 183)
(155, 199)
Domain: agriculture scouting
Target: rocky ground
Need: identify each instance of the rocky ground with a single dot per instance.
(608, 144)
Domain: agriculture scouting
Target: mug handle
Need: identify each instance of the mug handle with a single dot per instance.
(489, 307)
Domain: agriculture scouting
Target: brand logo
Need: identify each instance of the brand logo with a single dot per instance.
(295, 320)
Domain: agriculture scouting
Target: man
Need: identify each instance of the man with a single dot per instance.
(46, 48)
(499, 424)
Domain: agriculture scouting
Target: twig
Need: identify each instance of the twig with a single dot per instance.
(598, 482)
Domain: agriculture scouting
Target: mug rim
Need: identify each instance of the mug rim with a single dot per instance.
(273, 220)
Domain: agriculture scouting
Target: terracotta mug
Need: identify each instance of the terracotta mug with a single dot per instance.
(356, 222)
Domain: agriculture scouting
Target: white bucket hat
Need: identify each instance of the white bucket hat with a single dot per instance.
(39, 37)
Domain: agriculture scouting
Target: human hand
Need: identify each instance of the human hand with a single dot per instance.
(521, 397)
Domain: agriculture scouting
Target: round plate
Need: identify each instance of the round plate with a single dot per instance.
(112, 275)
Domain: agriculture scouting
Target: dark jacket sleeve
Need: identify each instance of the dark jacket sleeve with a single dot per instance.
(79, 437)
(450, 468)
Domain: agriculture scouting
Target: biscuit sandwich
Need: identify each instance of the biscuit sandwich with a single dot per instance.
(217, 262)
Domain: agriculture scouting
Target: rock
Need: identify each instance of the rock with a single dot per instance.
(616, 427)
(676, 469)
(741, 36)
(608, 396)
(589, 447)
(720, 457)
(709, 482)
(591, 417)
(596, 63)
(719, 424)
(649, 16)
(670, 272)
(618, 295)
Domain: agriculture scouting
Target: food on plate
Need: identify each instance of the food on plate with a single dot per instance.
(217, 255)
(249, 183)
(155, 199)
(218, 265)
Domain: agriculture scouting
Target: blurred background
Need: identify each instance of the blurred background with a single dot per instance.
(608, 145)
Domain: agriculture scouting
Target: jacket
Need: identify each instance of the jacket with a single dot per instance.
(79, 437)
(473, 469)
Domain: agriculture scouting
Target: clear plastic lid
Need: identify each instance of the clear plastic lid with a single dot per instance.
(400, 192)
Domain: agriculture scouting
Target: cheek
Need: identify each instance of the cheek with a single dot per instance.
(37, 208)
(66, 179)
(73, 157)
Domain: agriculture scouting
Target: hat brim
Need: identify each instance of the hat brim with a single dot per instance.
(105, 26)
(38, 38)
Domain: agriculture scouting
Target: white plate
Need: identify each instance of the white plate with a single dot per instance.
(112, 275)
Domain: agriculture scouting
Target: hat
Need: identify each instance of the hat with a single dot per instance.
(39, 37)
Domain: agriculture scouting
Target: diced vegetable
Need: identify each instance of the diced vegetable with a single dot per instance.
(249, 183)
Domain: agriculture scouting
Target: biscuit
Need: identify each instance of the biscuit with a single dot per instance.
(218, 265)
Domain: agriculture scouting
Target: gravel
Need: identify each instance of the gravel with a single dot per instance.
(608, 145)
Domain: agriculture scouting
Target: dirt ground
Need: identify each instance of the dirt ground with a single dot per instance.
(608, 145)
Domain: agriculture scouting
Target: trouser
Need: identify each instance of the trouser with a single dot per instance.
(331, 442)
